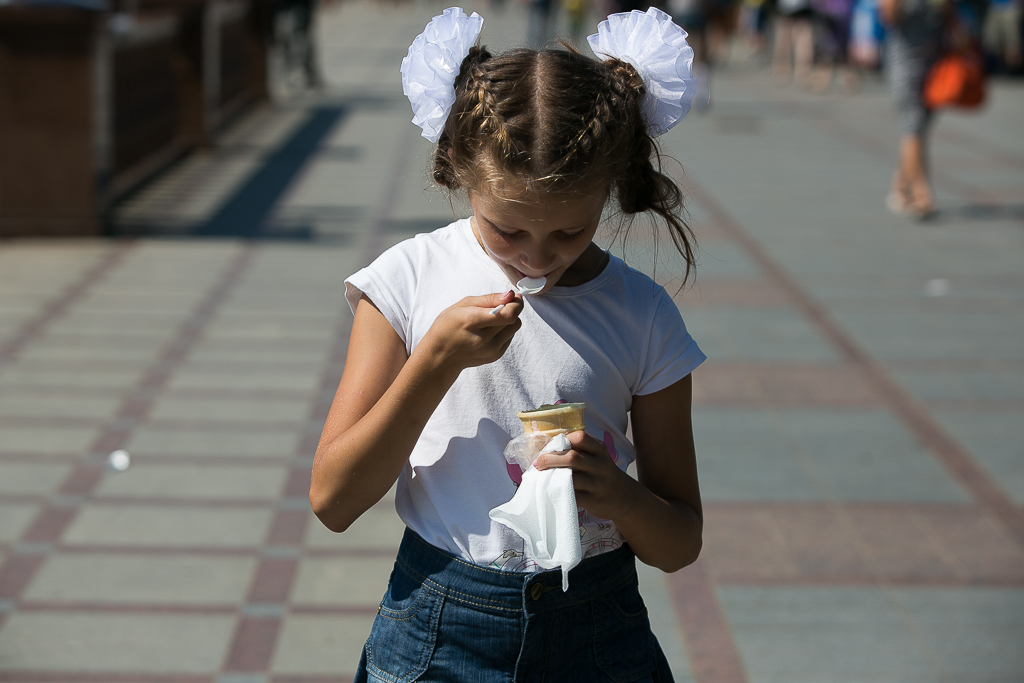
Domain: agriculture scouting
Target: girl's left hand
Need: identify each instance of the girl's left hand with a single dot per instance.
(602, 489)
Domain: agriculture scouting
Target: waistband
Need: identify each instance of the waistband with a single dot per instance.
(490, 588)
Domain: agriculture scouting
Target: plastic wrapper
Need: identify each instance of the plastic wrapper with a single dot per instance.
(525, 448)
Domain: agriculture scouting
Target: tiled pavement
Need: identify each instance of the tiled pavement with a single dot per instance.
(859, 422)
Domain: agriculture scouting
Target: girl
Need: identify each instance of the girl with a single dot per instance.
(540, 141)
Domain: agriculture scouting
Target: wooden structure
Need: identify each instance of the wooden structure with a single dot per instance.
(93, 101)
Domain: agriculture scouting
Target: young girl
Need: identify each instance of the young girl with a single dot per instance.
(540, 141)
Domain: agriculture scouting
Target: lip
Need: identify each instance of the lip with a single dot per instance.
(521, 274)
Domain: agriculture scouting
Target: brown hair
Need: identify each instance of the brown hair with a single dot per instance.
(556, 121)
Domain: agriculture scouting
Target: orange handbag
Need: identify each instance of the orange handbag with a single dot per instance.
(956, 80)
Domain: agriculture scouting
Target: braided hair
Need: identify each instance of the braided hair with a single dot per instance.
(555, 121)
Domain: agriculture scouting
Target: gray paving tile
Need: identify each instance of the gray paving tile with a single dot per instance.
(1005, 385)
(14, 520)
(229, 409)
(51, 404)
(25, 478)
(150, 480)
(53, 439)
(126, 579)
(305, 380)
(749, 454)
(348, 581)
(664, 621)
(996, 440)
(152, 525)
(190, 443)
(325, 645)
(13, 378)
(734, 333)
(895, 332)
(76, 643)
(379, 527)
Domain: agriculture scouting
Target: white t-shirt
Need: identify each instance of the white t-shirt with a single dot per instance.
(600, 343)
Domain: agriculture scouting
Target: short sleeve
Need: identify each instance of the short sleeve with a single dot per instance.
(672, 354)
(390, 283)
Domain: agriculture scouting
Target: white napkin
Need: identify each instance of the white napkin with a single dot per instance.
(543, 511)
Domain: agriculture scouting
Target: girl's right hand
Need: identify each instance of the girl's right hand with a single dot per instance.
(466, 335)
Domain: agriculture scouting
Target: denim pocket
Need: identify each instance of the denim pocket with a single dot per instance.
(623, 641)
(402, 639)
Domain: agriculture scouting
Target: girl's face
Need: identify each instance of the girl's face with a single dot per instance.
(538, 237)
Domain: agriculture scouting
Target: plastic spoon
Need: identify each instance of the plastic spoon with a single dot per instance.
(528, 285)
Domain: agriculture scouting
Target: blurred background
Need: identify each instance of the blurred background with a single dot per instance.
(184, 186)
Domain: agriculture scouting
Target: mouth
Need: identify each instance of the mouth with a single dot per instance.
(521, 274)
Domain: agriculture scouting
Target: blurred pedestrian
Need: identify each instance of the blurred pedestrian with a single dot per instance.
(793, 51)
(539, 25)
(914, 32)
(1002, 32)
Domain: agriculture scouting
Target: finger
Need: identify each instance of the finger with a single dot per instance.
(490, 301)
(547, 461)
(586, 443)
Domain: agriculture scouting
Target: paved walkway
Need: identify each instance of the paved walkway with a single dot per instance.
(859, 422)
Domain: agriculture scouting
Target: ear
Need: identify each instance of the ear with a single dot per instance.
(451, 155)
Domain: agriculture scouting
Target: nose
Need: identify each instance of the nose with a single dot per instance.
(537, 260)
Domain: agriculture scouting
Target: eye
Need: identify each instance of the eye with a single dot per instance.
(569, 236)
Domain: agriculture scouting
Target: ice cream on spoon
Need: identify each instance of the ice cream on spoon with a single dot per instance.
(528, 285)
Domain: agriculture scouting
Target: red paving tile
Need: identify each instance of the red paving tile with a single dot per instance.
(783, 385)
(709, 643)
(273, 580)
(252, 646)
(858, 543)
(712, 291)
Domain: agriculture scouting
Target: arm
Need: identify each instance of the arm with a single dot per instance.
(659, 514)
(384, 399)
(889, 12)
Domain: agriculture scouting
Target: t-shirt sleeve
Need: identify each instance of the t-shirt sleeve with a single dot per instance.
(390, 283)
(672, 354)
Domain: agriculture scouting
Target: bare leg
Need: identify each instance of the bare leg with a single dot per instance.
(913, 174)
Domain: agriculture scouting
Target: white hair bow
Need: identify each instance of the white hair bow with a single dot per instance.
(432, 65)
(657, 49)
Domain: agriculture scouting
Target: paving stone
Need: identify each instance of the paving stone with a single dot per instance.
(825, 455)
(254, 380)
(154, 481)
(779, 334)
(127, 579)
(664, 621)
(348, 581)
(229, 409)
(380, 527)
(153, 525)
(15, 519)
(137, 643)
(324, 645)
(23, 478)
(996, 439)
(194, 443)
(53, 439)
(51, 403)
(12, 379)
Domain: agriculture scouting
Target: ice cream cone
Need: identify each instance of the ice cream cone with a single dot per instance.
(553, 419)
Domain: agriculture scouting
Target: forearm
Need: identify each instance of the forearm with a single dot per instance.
(355, 468)
(666, 534)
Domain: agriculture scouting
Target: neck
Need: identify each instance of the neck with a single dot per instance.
(587, 267)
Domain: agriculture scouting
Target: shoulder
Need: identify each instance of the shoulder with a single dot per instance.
(637, 290)
(398, 270)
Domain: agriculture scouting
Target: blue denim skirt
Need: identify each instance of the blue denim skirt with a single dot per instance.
(447, 620)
